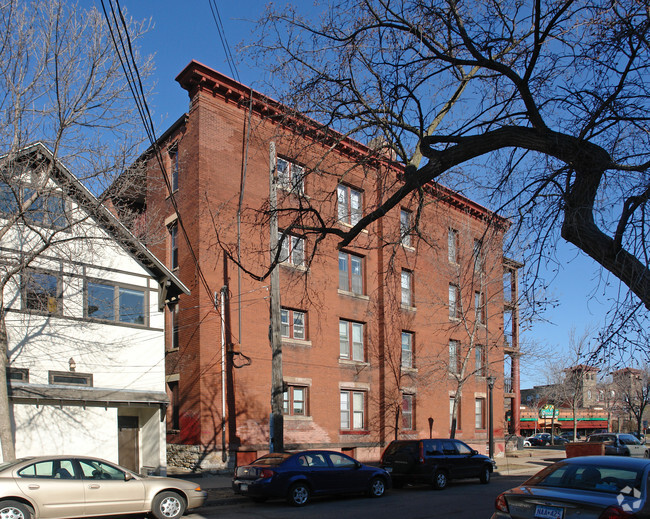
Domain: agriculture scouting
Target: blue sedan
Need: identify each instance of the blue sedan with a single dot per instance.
(298, 476)
(585, 487)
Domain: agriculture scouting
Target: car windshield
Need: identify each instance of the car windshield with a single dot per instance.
(607, 479)
(272, 460)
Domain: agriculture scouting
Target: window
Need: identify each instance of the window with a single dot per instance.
(9, 198)
(114, 303)
(479, 307)
(349, 208)
(352, 410)
(93, 469)
(173, 245)
(51, 469)
(405, 227)
(175, 339)
(453, 302)
(18, 374)
(507, 327)
(479, 351)
(295, 401)
(508, 286)
(42, 292)
(351, 340)
(292, 324)
(407, 284)
(451, 412)
(407, 412)
(293, 250)
(69, 378)
(48, 208)
(407, 350)
(290, 176)
(350, 273)
(175, 422)
(479, 413)
(173, 159)
(478, 256)
(454, 356)
(452, 246)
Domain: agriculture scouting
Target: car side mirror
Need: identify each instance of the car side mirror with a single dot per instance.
(128, 476)
(474, 452)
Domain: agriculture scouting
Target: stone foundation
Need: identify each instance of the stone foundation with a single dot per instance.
(195, 458)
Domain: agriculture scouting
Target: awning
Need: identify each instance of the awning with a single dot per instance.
(20, 393)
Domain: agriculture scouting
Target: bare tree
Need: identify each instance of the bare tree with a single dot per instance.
(543, 105)
(62, 86)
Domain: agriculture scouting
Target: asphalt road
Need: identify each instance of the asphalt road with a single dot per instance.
(461, 499)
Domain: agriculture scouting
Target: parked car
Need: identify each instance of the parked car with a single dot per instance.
(58, 487)
(298, 476)
(541, 439)
(435, 462)
(568, 436)
(639, 436)
(620, 444)
(584, 486)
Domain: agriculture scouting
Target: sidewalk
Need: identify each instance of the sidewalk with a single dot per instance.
(524, 462)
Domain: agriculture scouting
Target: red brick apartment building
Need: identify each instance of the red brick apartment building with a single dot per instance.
(375, 335)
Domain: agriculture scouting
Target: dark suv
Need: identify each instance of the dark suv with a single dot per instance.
(435, 462)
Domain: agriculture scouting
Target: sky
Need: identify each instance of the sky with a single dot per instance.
(185, 31)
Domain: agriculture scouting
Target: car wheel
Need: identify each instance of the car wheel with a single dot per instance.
(377, 487)
(298, 494)
(439, 480)
(485, 475)
(14, 510)
(168, 505)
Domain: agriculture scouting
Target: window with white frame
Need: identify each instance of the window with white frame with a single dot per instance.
(293, 250)
(291, 176)
(406, 281)
(454, 356)
(408, 404)
(479, 307)
(42, 292)
(295, 400)
(479, 354)
(351, 340)
(353, 410)
(405, 227)
(479, 413)
(68, 378)
(452, 246)
(454, 312)
(47, 207)
(293, 324)
(453, 403)
(350, 273)
(348, 204)
(407, 349)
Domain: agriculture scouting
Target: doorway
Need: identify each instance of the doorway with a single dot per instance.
(128, 438)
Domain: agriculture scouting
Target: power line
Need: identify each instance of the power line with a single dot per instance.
(224, 41)
(132, 74)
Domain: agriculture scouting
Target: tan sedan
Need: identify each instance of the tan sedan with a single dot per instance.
(57, 487)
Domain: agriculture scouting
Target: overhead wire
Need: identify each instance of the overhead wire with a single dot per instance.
(130, 67)
(224, 40)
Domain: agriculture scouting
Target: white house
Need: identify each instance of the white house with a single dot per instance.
(84, 302)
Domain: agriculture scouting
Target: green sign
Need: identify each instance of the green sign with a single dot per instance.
(548, 411)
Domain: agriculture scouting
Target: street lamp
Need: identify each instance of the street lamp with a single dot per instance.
(490, 382)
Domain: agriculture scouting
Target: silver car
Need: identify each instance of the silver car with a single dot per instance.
(57, 487)
(584, 487)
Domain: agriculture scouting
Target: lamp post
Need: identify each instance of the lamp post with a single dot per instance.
(490, 382)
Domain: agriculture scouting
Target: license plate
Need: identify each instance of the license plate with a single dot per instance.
(549, 512)
(243, 487)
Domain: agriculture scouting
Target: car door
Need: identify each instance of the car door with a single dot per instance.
(469, 465)
(346, 474)
(107, 490)
(317, 469)
(452, 459)
(54, 487)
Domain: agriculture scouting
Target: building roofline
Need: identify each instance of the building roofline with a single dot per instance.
(197, 77)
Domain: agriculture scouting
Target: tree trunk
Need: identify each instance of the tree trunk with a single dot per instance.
(6, 430)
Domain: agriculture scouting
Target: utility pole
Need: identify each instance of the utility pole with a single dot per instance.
(277, 382)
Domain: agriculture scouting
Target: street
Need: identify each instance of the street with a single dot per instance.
(461, 500)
